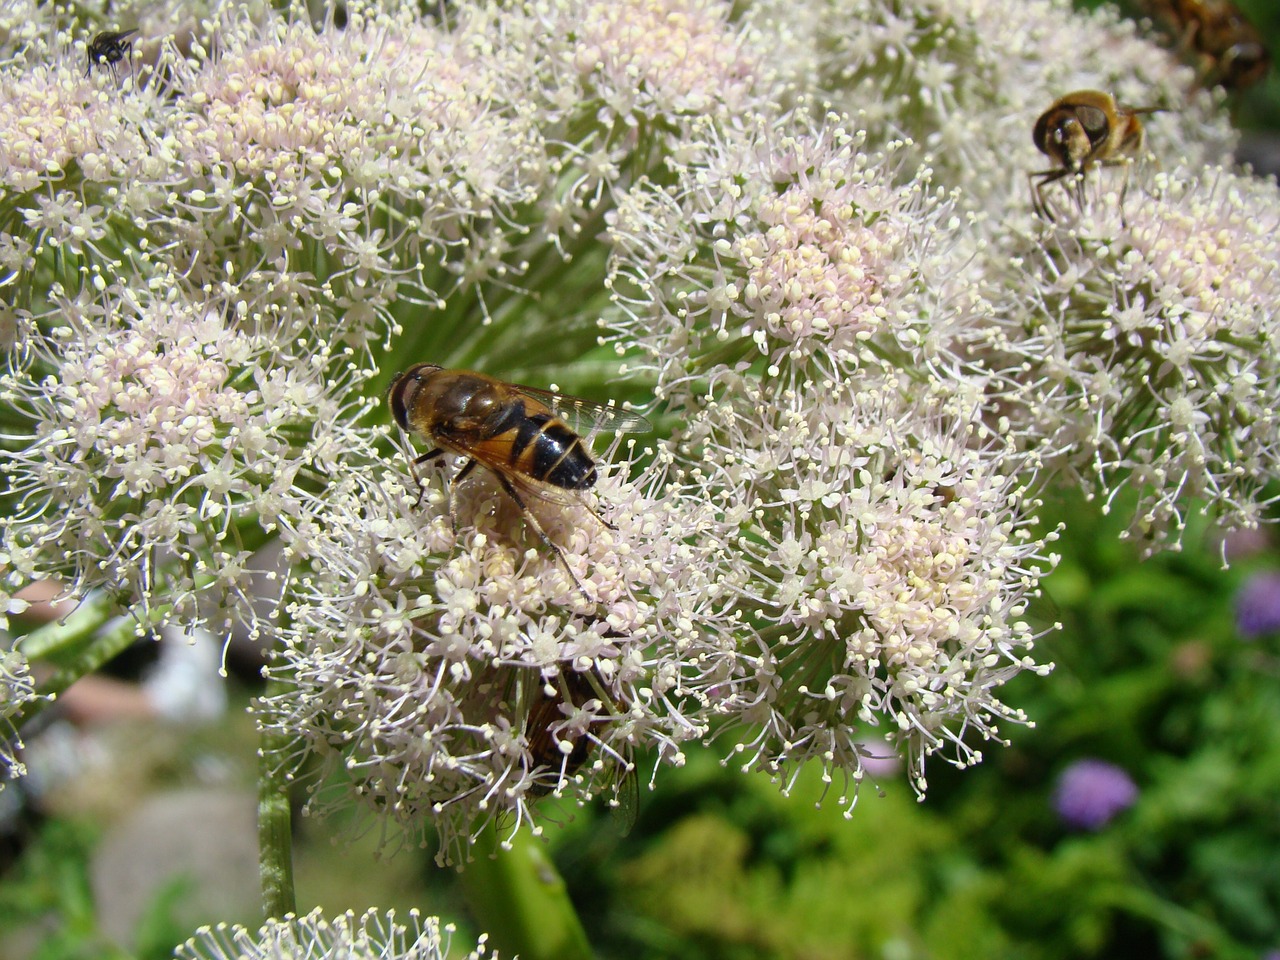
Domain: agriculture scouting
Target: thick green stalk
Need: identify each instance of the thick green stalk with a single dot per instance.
(275, 824)
(521, 901)
(77, 646)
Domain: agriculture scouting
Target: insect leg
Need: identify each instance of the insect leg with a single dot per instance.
(413, 469)
(1038, 203)
(1125, 162)
(533, 522)
(453, 486)
(1078, 192)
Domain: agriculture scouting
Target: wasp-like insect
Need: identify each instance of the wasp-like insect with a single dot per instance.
(519, 433)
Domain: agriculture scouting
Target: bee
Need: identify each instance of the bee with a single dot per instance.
(1080, 131)
(109, 47)
(518, 433)
(1230, 46)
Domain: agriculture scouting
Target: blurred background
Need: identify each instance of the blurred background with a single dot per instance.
(1139, 818)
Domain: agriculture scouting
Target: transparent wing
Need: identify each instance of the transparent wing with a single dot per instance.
(625, 806)
(587, 416)
(495, 457)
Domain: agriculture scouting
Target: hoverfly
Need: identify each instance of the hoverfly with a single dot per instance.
(519, 433)
(1080, 131)
(109, 47)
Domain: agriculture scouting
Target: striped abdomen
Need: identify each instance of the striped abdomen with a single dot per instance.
(543, 447)
(493, 423)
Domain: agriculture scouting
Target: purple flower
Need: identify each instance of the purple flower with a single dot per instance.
(1091, 792)
(1258, 605)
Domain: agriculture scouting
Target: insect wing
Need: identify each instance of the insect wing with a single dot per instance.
(625, 805)
(543, 715)
(495, 454)
(587, 417)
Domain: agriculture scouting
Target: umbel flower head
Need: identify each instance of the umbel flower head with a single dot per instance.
(793, 242)
(1140, 346)
(372, 935)
(459, 675)
(884, 555)
(161, 441)
(647, 61)
(386, 152)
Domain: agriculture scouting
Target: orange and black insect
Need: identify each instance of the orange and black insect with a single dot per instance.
(109, 47)
(1080, 131)
(519, 433)
(1230, 47)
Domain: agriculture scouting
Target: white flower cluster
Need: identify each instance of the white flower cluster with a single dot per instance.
(806, 226)
(370, 936)
(797, 245)
(649, 61)
(1141, 353)
(17, 690)
(164, 438)
(887, 559)
(392, 145)
(464, 674)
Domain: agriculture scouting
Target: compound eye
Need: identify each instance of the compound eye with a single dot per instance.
(1094, 121)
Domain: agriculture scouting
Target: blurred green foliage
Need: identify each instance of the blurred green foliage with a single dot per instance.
(47, 903)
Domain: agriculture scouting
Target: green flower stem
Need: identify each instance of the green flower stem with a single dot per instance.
(77, 646)
(62, 638)
(520, 899)
(275, 824)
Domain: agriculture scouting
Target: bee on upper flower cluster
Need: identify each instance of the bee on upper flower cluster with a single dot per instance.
(1089, 128)
(1229, 47)
(1083, 130)
(524, 436)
